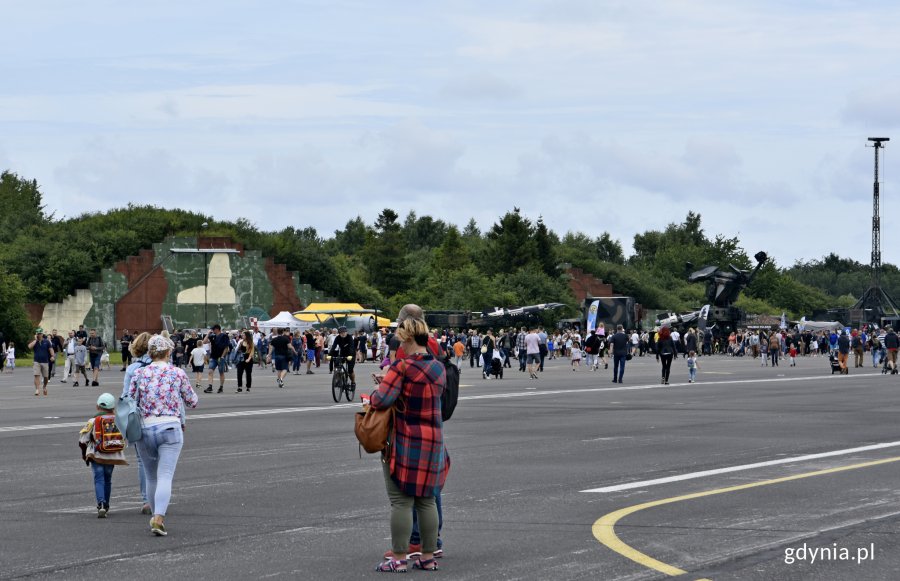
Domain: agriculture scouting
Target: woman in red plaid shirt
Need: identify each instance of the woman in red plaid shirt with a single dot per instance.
(418, 463)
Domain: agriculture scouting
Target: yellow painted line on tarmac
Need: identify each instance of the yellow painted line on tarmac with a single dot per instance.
(604, 527)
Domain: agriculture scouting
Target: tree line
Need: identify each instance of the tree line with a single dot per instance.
(394, 260)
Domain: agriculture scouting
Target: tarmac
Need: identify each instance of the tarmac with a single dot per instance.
(750, 473)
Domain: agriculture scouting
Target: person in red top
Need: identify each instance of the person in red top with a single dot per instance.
(418, 464)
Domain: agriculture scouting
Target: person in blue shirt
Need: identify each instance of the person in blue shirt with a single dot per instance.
(43, 353)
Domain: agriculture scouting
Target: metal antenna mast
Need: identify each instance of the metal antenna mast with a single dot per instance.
(876, 305)
(876, 217)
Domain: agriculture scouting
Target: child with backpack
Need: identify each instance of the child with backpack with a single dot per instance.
(102, 448)
(693, 365)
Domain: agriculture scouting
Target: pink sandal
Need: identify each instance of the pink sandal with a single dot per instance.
(426, 565)
(391, 566)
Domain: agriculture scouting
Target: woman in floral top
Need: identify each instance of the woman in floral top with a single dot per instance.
(159, 389)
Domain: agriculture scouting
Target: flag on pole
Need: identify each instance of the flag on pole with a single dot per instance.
(592, 316)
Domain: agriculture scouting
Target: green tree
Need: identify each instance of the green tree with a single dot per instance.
(545, 243)
(511, 244)
(15, 325)
(424, 232)
(350, 240)
(384, 253)
(22, 206)
(452, 254)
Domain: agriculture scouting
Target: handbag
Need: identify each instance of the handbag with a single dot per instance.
(484, 348)
(374, 428)
(128, 418)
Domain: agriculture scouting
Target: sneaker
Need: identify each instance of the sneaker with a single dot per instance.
(146, 509)
(62, 380)
(75, 384)
(310, 372)
(439, 553)
(158, 529)
(221, 389)
(208, 389)
(95, 383)
(239, 390)
(101, 510)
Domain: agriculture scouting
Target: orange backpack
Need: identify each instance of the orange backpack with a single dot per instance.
(107, 436)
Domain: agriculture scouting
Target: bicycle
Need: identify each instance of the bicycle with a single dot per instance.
(340, 380)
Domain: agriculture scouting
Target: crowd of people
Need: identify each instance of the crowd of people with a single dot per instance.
(413, 359)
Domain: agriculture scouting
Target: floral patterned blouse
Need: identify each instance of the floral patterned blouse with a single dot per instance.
(159, 390)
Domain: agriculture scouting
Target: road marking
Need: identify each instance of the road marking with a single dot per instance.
(604, 528)
(742, 467)
(471, 397)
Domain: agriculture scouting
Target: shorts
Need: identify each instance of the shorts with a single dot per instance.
(42, 369)
(310, 354)
(281, 362)
(533, 358)
(197, 368)
(95, 361)
(214, 363)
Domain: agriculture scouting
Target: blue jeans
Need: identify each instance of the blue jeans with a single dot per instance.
(692, 374)
(142, 477)
(102, 481)
(415, 538)
(159, 448)
(618, 367)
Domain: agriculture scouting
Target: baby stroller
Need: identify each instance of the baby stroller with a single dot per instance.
(495, 368)
(833, 360)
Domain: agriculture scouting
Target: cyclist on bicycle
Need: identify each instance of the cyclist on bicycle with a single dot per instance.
(343, 347)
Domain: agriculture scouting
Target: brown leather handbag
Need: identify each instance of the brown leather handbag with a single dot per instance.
(374, 428)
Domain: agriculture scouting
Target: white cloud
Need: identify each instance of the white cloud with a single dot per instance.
(618, 116)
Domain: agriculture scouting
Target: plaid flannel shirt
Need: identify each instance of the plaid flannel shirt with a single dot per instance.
(419, 462)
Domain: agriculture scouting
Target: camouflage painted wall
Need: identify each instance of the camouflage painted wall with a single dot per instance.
(195, 289)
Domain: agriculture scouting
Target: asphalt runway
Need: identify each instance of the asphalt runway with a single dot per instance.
(567, 477)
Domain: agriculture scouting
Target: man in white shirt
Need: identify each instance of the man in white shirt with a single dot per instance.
(533, 352)
(69, 349)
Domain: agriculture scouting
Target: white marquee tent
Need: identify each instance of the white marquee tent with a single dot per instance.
(284, 319)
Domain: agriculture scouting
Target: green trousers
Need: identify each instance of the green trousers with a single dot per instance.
(401, 516)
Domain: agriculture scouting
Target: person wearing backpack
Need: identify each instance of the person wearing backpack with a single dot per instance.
(417, 467)
(448, 405)
(102, 448)
(139, 358)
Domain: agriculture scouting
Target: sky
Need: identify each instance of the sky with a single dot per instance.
(599, 116)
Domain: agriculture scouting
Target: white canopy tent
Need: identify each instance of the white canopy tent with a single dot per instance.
(284, 320)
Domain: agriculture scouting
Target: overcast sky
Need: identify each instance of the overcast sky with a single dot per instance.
(597, 115)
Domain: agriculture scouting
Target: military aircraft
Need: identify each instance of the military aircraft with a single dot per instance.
(506, 315)
(352, 318)
(673, 319)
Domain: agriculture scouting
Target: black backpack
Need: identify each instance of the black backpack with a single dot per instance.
(451, 387)
(451, 390)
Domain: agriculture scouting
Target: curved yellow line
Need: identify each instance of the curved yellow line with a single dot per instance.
(604, 527)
